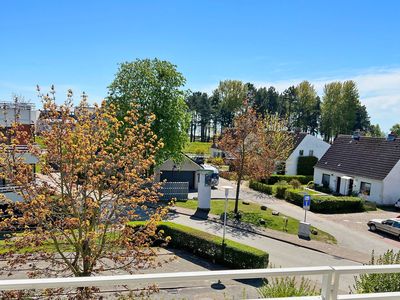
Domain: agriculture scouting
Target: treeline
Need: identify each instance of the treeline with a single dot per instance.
(338, 112)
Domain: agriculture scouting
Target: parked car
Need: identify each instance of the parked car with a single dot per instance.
(391, 226)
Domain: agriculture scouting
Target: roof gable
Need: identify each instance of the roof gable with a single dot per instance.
(369, 157)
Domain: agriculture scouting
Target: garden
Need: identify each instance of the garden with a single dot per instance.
(257, 215)
(293, 188)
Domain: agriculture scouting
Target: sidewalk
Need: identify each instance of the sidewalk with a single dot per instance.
(329, 249)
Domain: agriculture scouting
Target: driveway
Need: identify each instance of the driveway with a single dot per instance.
(350, 230)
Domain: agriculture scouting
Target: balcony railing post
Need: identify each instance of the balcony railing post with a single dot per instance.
(326, 286)
(335, 285)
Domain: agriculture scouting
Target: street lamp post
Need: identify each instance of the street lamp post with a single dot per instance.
(226, 188)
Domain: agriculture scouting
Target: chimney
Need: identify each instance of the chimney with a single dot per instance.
(391, 137)
(356, 135)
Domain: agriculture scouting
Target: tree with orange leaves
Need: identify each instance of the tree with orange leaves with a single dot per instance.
(255, 145)
(94, 181)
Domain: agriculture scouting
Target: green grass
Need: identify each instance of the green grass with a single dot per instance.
(197, 148)
(39, 141)
(252, 214)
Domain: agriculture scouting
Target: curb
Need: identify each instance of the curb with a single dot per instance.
(216, 220)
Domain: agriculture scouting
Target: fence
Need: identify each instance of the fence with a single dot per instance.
(178, 190)
(329, 291)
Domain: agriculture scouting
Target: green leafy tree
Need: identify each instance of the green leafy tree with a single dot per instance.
(307, 107)
(154, 86)
(375, 131)
(200, 105)
(342, 111)
(329, 110)
(396, 129)
(288, 105)
(215, 110)
(232, 94)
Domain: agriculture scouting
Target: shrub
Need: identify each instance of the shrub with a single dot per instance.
(295, 183)
(228, 175)
(209, 246)
(281, 182)
(287, 287)
(217, 161)
(379, 283)
(326, 204)
(281, 190)
(262, 187)
(323, 189)
(305, 165)
(275, 178)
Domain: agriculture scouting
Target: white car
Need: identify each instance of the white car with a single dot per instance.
(391, 226)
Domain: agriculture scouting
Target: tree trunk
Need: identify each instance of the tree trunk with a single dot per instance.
(239, 180)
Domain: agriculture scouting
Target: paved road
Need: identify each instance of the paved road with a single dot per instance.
(281, 254)
(350, 230)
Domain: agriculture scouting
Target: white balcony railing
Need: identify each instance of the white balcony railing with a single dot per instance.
(329, 291)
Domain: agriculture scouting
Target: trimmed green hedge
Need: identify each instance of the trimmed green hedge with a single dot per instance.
(305, 165)
(326, 204)
(209, 246)
(262, 187)
(275, 178)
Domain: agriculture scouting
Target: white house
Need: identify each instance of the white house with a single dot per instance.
(368, 166)
(304, 145)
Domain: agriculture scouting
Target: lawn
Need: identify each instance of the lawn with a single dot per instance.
(252, 214)
(39, 141)
(197, 148)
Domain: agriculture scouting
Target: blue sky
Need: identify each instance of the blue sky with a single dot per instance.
(78, 45)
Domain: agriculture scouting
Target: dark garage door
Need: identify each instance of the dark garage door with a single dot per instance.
(179, 176)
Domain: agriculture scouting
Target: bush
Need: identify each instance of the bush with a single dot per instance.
(262, 187)
(228, 175)
(209, 246)
(275, 178)
(281, 190)
(326, 204)
(379, 283)
(323, 189)
(217, 161)
(281, 182)
(287, 287)
(295, 183)
(305, 165)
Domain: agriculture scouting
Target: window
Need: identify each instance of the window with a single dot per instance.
(311, 153)
(365, 188)
(301, 152)
(396, 224)
(326, 178)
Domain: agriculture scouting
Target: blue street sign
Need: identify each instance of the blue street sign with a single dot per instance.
(306, 202)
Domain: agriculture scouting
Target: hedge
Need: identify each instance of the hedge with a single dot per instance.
(209, 246)
(262, 187)
(326, 204)
(305, 165)
(275, 178)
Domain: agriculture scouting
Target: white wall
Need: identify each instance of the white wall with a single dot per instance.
(376, 194)
(391, 186)
(310, 142)
(7, 115)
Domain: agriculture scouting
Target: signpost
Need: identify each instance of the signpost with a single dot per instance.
(306, 205)
(304, 227)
